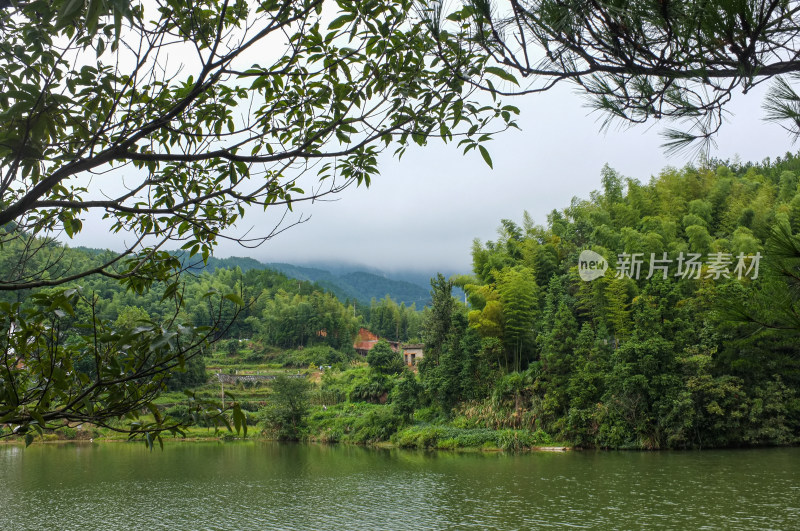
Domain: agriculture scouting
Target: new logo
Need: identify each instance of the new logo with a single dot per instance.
(591, 265)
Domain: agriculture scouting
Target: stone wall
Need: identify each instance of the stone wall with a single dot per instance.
(236, 378)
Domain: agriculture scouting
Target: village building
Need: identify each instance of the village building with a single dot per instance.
(365, 340)
(412, 353)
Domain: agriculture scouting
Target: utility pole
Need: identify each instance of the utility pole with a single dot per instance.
(222, 389)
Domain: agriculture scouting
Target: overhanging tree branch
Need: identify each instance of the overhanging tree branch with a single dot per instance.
(172, 119)
(635, 61)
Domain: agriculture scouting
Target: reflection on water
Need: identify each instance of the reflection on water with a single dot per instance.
(273, 486)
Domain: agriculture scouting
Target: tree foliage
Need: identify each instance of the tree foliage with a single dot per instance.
(649, 360)
(189, 126)
(636, 61)
(169, 121)
(288, 408)
(455, 367)
(384, 360)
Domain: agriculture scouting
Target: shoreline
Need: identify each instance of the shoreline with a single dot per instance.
(383, 445)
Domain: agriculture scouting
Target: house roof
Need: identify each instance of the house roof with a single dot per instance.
(366, 335)
(367, 345)
(364, 345)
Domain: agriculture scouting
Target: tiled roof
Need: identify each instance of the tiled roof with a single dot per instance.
(364, 345)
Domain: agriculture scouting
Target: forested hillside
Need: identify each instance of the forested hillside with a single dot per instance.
(360, 285)
(672, 357)
(262, 306)
(347, 284)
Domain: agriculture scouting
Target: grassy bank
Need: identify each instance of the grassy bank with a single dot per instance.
(346, 423)
(345, 404)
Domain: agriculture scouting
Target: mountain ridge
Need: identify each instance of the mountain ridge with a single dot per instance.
(360, 285)
(345, 281)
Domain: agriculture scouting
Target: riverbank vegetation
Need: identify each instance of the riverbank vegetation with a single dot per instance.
(636, 359)
(666, 356)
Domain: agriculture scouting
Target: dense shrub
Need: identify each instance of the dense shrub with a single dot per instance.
(327, 397)
(383, 360)
(376, 426)
(312, 356)
(360, 423)
(406, 396)
(375, 389)
(68, 433)
(447, 437)
(285, 415)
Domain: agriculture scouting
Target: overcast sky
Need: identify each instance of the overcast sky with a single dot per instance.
(423, 211)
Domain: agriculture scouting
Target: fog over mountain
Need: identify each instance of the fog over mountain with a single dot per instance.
(424, 210)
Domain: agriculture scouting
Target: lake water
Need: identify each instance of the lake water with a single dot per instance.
(272, 486)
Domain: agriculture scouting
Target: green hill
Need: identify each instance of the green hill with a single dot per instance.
(358, 285)
(346, 283)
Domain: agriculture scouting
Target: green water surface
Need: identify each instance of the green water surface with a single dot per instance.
(273, 486)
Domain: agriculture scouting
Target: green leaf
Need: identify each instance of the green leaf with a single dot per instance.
(94, 12)
(341, 21)
(69, 11)
(485, 155)
(502, 74)
(234, 298)
(156, 413)
(37, 417)
(239, 419)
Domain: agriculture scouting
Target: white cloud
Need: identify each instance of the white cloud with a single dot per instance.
(424, 210)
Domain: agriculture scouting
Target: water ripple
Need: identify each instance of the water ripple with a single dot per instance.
(285, 487)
